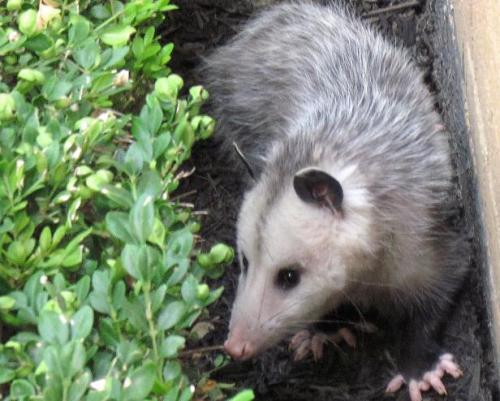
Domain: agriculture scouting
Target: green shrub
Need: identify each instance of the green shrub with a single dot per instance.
(100, 277)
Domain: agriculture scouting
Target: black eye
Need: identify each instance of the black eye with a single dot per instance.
(244, 264)
(288, 278)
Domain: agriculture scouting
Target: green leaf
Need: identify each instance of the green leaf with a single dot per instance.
(31, 75)
(59, 235)
(81, 323)
(56, 88)
(7, 302)
(134, 158)
(6, 374)
(189, 289)
(141, 218)
(112, 57)
(79, 386)
(167, 89)
(187, 394)
(99, 298)
(161, 143)
(158, 235)
(150, 184)
(72, 257)
(245, 395)
(152, 114)
(82, 289)
(45, 239)
(120, 196)
(16, 252)
(158, 297)
(21, 388)
(220, 253)
(108, 333)
(39, 43)
(141, 383)
(52, 328)
(171, 346)
(180, 244)
(171, 315)
(117, 35)
(86, 56)
(134, 258)
(79, 30)
(99, 179)
(172, 370)
(100, 12)
(53, 359)
(117, 223)
(119, 295)
(27, 22)
(77, 357)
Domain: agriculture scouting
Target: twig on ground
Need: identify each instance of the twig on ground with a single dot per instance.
(388, 9)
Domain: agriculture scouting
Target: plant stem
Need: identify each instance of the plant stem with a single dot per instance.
(109, 20)
(151, 324)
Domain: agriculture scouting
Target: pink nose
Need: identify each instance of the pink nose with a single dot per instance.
(238, 348)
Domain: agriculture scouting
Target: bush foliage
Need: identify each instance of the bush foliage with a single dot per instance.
(100, 274)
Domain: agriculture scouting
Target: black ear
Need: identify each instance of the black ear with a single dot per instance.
(316, 186)
(244, 160)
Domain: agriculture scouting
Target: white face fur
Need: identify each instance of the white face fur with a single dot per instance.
(295, 258)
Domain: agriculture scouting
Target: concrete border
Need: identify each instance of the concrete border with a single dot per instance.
(477, 25)
(467, 72)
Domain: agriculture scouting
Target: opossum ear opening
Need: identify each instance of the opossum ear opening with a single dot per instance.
(244, 160)
(316, 186)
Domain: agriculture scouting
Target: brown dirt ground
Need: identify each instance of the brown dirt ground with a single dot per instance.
(344, 374)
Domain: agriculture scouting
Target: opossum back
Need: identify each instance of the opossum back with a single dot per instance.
(296, 60)
(261, 79)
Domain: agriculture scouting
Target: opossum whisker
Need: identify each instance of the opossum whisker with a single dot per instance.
(371, 283)
(358, 310)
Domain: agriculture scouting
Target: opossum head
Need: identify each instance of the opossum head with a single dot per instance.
(298, 243)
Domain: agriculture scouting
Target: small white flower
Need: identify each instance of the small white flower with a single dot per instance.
(121, 78)
(192, 388)
(98, 385)
(13, 36)
(77, 153)
(44, 280)
(105, 116)
(84, 125)
(127, 382)
(46, 13)
(74, 107)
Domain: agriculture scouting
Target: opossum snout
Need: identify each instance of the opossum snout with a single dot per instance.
(239, 347)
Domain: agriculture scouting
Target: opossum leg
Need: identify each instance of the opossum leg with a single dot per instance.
(421, 362)
(305, 342)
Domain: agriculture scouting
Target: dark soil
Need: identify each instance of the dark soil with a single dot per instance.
(344, 374)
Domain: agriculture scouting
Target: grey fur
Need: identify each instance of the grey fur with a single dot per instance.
(302, 77)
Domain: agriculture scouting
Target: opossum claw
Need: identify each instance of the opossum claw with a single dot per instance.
(298, 339)
(395, 384)
(415, 394)
(348, 337)
(304, 342)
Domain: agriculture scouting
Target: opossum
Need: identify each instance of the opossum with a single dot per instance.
(352, 184)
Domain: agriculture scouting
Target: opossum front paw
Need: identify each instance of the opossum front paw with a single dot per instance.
(304, 342)
(430, 379)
